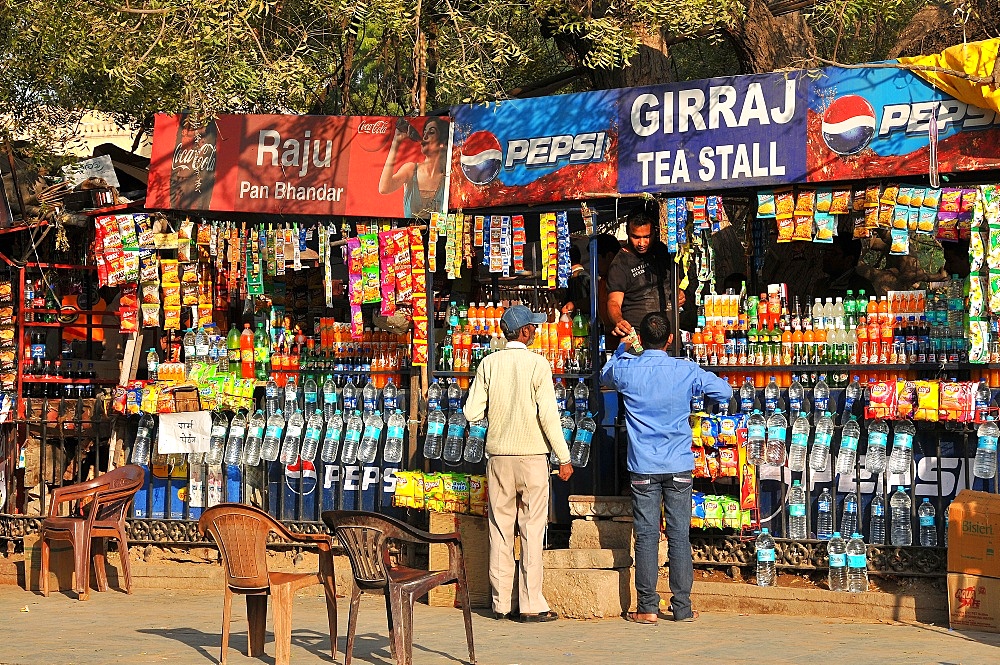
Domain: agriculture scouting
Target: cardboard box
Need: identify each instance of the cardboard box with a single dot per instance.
(475, 547)
(974, 561)
(974, 602)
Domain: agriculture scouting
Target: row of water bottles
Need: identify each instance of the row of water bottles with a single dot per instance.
(848, 562)
(311, 396)
(578, 433)
(446, 437)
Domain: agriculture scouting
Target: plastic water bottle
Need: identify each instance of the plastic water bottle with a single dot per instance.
(765, 558)
(748, 395)
(395, 429)
(848, 455)
(329, 398)
(435, 433)
(824, 515)
(272, 436)
(902, 447)
(985, 465)
(271, 403)
(350, 395)
(152, 364)
(983, 399)
(189, 352)
(852, 394)
(796, 395)
(800, 443)
(293, 438)
(797, 512)
(201, 345)
(857, 564)
(902, 530)
(433, 396)
(777, 429)
(928, 529)
(368, 450)
(314, 432)
(237, 435)
(143, 440)
(560, 390)
(756, 436)
(476, 443)
(581, 398)
(837, 552)
(876, 528)
(821, 443)
(821, 395)
(454, 393)
(849, 516)
(311, 392)
(455, 439)
(580, 452)
(369, 397)
(772, 395)
(221, 355)
(878, 439)
(390, 398)
(352, 438)
(331, 438)
(291, 402)
(217, 440)
(568, 425)
(255, 439)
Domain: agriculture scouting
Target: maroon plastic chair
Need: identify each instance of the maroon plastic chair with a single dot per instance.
(365, 538)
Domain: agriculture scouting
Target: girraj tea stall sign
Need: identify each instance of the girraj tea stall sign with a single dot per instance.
(305, 165)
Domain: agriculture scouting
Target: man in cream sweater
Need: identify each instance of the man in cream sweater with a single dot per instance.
(513, 388)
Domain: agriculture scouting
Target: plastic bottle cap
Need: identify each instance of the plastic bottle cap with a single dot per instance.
(926, 500)
(899, 489)
(796, 483)
(764, 530)
(836, 534)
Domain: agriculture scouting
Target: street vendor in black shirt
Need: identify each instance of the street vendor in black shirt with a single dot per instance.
(637, 279)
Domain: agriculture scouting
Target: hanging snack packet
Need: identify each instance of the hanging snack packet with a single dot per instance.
(885, 215)
(169, 274)
(871, 218)
(993, 291)
(956, 401)
(900, 216)
(871, 196)
(785, 203)
(841, 203)
(927, 221)
(882, 401)
(824, 200)
(947, 228)
(950, 199)
(150, 315)
(803, 227)
(906, 399)
(714, 512)
(889, 194)
(913, 219)
(805, 203)
(859, 198)
(927, 400)
(979, 341)
(150, 293)
(900, 242)
(765, 204)
(826, 225)
(977, 295)
(903, 195)
(977, 252)
(860, 224)
(786, 229)
(932, 197)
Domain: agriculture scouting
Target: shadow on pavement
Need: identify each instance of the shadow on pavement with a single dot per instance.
(316, 643)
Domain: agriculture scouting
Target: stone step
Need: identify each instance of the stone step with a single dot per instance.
(600, 535)
(590, 559)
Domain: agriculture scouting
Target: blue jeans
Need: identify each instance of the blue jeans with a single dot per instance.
(649, 492)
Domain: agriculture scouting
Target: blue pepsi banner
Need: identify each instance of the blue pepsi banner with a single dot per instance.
(535, 150)
(738, 131)
(876, 122)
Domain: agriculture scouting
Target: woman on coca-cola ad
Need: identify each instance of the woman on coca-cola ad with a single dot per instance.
(422, 182)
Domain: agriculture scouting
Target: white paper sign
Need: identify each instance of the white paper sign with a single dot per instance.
(185, 432)
(97, 167)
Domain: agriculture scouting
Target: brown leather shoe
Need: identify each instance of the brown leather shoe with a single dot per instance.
(637, 617)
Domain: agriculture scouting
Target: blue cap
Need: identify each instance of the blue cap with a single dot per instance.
(516, 317)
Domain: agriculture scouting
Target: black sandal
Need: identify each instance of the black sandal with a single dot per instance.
(541, 617)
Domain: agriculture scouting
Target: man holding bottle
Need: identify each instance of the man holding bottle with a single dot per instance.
(656, 389)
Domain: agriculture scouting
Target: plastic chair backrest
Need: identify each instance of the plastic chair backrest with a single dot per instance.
(241, 533)
(114, 494)
(361, 534)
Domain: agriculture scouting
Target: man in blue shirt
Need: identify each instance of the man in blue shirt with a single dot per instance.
(657, 390)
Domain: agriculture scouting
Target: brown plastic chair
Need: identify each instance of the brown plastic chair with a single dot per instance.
(241, 533)
(365, 538)
(105, 501)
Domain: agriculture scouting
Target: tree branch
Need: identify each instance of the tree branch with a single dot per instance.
(982, 80)
(130, 10)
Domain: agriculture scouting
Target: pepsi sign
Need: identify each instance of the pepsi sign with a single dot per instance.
(481, 158)
(849, 125)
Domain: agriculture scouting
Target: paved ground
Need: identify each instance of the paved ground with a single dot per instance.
(183, 627)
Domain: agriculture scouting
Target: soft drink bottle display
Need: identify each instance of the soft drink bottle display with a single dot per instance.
(262, 354)
(368, 450)
(800, 443)
(765, 558)
(824, 515)
(849, 516)
(821, 443)
(985, 465)
(851, 395)
(857, 564)
(560, 390)
(580, 452)
(255, 439)
(352, 438)
(246, 353)
(821, 395)
(902, 530)
(476, 443)
(233, 348)
(928, 529)
(454, 396)
(143, 440)
(329, 398)
(876, 531)
(837, 552)
(777, 429)
(848, 455)
(756, 436)
(568, 425)
(433, 396)
(271, 403)
(697, 399)
(291, 401)
(152, 364)
(395, 429)
(331, 437)
(983, 400)
(797, 512)
(748, 395)
(311, 392)
(217, 440)
(390, 396)
(796, 395)
(772, 393)
(581, 398)
(902, 447)
(369, 397)
(293, 438)
(878, 438)
(434, 442)
(350, 395)
(455, 440)
(237, 435)
(272, 436)
(314, 432)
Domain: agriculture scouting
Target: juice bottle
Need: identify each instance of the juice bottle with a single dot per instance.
(883, 309)
(787, 348)
(696, 343)
(821, 345)
(565, 332)
(809, 342)
(246, 353)
(488, 315)
(797, 344)
(862, 342)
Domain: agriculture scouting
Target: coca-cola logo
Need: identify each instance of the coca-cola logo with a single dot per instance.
(380, 126)
(197, 158)
(374, 134)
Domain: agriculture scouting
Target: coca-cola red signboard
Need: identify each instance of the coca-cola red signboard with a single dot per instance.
(303, 165)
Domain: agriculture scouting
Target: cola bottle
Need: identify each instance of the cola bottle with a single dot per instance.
(192, 167)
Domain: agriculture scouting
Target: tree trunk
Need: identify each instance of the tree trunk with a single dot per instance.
(767, 43)
(934, 28)
(651, 65)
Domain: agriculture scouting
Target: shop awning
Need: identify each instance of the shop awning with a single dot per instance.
(977, 59)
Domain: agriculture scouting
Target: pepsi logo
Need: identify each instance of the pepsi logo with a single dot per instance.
(849, 125)
(481, 157)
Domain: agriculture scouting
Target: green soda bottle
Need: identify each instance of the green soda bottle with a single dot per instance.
(262, 354)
